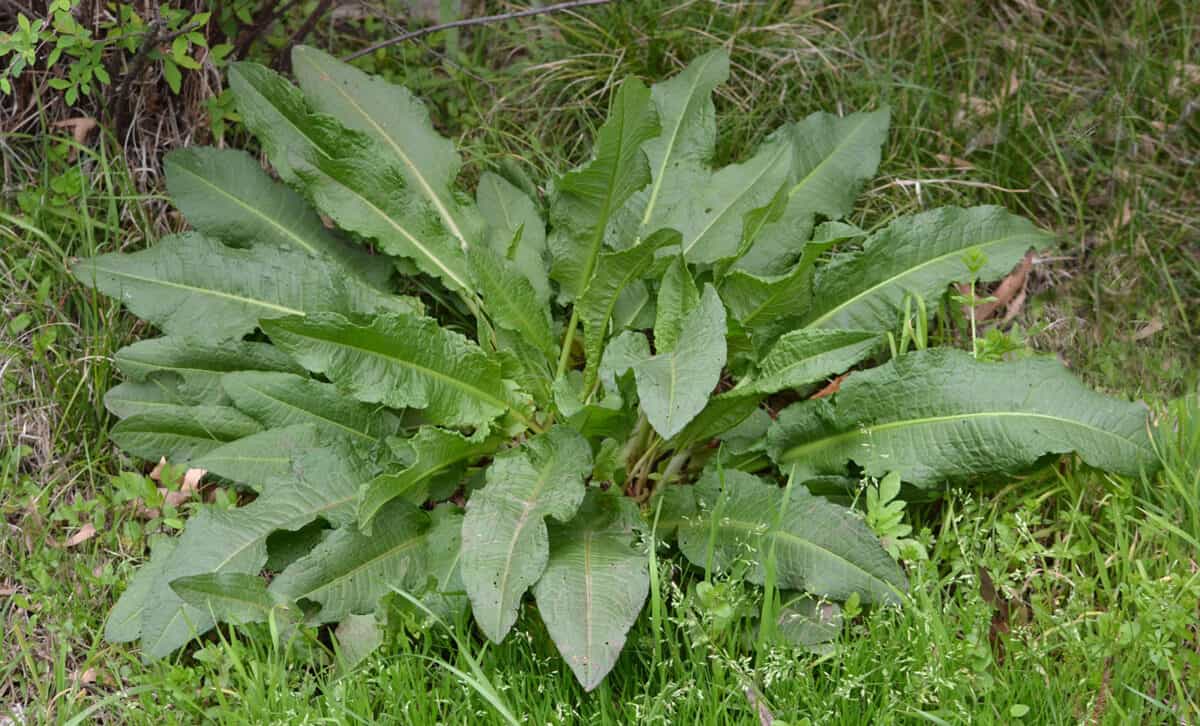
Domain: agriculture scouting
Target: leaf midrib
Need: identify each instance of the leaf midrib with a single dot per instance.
(837, 148)
(402, 546)
(816, 322)
(745, 190)
(200, 290)
(313, 414)
(528, 507)
(794, 453)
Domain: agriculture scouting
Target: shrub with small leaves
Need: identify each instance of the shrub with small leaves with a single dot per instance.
(564, 381)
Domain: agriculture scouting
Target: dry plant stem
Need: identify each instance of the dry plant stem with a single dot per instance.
(466, 22)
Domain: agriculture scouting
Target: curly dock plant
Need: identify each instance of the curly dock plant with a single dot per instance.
(560, 382)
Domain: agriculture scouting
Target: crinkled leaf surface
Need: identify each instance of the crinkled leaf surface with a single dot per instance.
(806, 356)
(677, 296)
(400, 361)
(189, 285)
(282, 399)
(199, 363)
(594, 586)
(820, 547)
(260, 457)
(277, 114)
(349, 571)
(918, 255)
(181, 433)
(505, 546)
(511, 300)
(129, 398)
(673, 387)
(940, 416)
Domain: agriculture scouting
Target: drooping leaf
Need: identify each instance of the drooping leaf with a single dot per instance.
(505, 546)
(516, 229)
(806, 356)
(594, 586)
(400, 124)
(445, 594)
(282, 399)
(324, 484)
(434, 451)
(939, 416)
(188, 285)
(285, 546)
(226, 196)
(673, 387)
(614, 273)
(348, 571)
(357, 637)
(124, 622)
(400, 361)
(181, 433)
(820, 547)
(918, 255)
(200, 364)
(806, 622)
(587, 198)
(260, 457)
(677, 296)
(231, 597)
(511, 300)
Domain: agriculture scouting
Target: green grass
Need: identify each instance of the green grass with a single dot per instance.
(1086, 109)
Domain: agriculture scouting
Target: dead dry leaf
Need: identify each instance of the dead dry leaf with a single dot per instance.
(831, 388)
(1009, 294)
(87, 678)
(85, 533)
(156, 472)
(80, 127)
(8, 590)
(1149, 329)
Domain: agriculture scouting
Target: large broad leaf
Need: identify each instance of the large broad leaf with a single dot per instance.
(511, 300)
(348, 571)
(615, 272)
(807, 356)
(940, 416)
(226, 195)
(399, 122)
(325, 484)
(400, 361)
(277, 114)
(281, 399)
(767, 306)
(588, 197)
(682, 152)
(594, 586)
(192, 286)
(159, 391)
(505, 546)
(819, 547)
(200, 364)
(674, 386)
(677, 296)
(918, 256)
(445, 594)
(124, 622)
(366, 192)
(181, 433)
(434, 452)
(260, 457)
(516, 229)
(230, 597)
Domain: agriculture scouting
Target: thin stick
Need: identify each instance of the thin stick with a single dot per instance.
(473, 21)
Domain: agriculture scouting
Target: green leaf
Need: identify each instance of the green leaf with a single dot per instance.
(677, 296)
(200, 364)
(587, 198)
(434, 451)
(684, 148)
(833, 156)
(260, 457)
(806, 356)
(620, 356)
(721, 414)
(357, 637)
(231, 597)
(917, 255)
(399, 122)
(324, 484)
(348, 571)
(281, 399)
(181, 433)
(673, 387)
(505, 546)
(940, 416)
(400, 361)
(820, 547)
(445, 594)
(188, 285)
(768, 306)
(128, 398)
(226, 195)
(124, 622)
(594, 586)
(517, 230)
(360, 187)
(277, 114)
(614, 273)
(511, 301)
